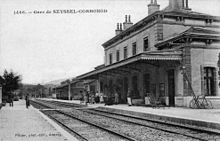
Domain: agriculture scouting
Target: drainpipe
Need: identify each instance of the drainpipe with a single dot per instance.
(0, 95)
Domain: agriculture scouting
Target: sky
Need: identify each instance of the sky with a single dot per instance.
(42, 47)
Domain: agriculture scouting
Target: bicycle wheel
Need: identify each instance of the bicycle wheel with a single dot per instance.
(192, 104)
(209, 104)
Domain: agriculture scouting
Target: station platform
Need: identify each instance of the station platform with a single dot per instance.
(20, 124)
(204, 118)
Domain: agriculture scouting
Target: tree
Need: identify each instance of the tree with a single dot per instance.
(10, 82)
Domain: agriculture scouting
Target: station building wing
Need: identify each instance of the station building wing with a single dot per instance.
(149, 57)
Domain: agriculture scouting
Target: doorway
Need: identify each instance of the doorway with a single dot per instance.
(125, 90)
(119, 89)
(135, 92)
(146, 84)
(171, 87)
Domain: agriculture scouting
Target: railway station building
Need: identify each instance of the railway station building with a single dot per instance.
(151, 57)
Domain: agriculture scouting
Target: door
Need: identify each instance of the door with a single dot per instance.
(171, 88)
(135, 87)
(125, 90)
(146, 84)
(119, 89)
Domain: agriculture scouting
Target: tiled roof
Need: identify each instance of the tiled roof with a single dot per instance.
(61, 86)
(142, 23)
(192, 31)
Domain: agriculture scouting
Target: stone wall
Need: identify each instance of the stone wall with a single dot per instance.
(173, 29)
(201, 58)
(138, 38)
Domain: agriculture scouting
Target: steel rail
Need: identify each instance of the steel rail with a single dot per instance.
(163, 122)
(160, 122)
(99, 127)
(44, 102)
(56, 120)
(96, 125)
(69, 105)
(71, 130)
(149, 120)
(146, 125)
(37, 103)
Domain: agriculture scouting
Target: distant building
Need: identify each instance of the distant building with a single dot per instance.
(69, 90)
(151, 56)
(77, 89)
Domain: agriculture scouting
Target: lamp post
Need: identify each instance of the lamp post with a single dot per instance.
(69, 91)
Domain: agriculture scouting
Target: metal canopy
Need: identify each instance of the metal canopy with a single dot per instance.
(129, 65)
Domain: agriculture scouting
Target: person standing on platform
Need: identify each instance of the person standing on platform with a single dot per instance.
(81, 97)
(92, 98)
(11, 99)
(97, 98)
(129, 101)
(27, 101)
(101, 98)
(87, 97)
(116, 97)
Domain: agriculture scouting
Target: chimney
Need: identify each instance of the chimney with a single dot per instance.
(179, 5)
(127, 22)
(153, 7)
(118, 29)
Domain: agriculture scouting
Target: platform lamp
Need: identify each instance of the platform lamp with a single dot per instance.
(185, 76)
(183, 68)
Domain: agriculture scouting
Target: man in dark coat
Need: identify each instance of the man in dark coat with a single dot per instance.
(129, 100)
(27, 101)
(11, 99)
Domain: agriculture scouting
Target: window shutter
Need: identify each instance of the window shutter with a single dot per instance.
(215, 81)
(202, 79)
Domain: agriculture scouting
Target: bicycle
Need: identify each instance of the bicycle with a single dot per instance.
(200, 102)
(155, 102)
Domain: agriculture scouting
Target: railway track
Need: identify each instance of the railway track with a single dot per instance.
(135, 128)
(167, 127)
(44, 104)
(82, 129)
(85, 130)
(64, 104)
(39, 105)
